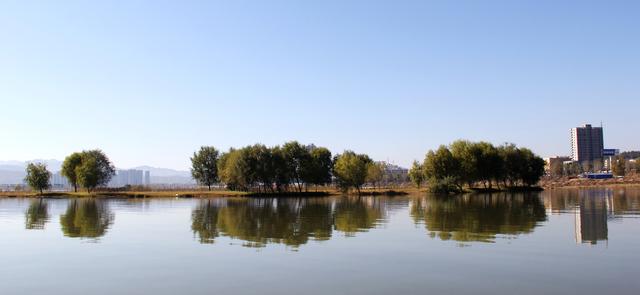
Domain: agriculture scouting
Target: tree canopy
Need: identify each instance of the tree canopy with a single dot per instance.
(451, 167)
(350, 170)
(204, 166)
(89, 169)
(69, 166)
(38, 176)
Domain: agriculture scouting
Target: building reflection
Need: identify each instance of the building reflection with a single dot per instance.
(37, 214)
(478, 218)
(86, 218)
(289, 221)
(592, 209)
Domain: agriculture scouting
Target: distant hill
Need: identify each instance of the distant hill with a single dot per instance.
(12, 172)
(167, 176)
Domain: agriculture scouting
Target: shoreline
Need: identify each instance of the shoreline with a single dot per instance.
(310, 194)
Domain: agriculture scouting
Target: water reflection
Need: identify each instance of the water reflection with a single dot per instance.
(86, 218)
(37, 215)
(593, 209)
(289, 221)
(478, 218)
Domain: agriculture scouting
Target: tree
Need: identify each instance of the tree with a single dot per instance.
(441, 165)
(317, 170)
(416, 174)
(38, 176)
(296, 157)
(618, 166)
(204, 166)
(350, 169)
(69, 166)
(638, 165)
(375, 173)
(94, 170)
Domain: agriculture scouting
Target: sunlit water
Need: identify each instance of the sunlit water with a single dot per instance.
(554, 242)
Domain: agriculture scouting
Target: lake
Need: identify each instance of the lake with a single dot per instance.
(566, 241)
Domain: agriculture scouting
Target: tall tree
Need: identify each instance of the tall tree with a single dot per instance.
(350, 169)
(375, 173)
(441, 165)
(69, 166)
(317, 170)
(38, 176)
(204, 166)
(95, 170)
(296, 157)
(416, 174)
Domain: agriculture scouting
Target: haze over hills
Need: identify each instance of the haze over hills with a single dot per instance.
(13, 172)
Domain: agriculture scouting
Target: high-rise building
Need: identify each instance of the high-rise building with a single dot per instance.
(127, 177)
(587, 143)
(147, 178)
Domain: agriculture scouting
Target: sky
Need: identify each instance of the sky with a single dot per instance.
(149, 82)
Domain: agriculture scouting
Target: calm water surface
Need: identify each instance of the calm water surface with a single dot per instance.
(555, 242)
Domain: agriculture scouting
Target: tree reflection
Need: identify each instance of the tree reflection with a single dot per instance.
(478, 217)
(289, 221)
(37, 214)
(204, 221)
(354, 215)
(86, 219)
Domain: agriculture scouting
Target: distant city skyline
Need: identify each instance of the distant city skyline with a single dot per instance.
(149, 83)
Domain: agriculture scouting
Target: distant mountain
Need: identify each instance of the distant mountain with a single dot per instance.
(52, 164)
(167, 176)
(12, 172)
(163, 171)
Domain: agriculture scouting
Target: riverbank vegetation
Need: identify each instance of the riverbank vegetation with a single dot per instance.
(477, 165)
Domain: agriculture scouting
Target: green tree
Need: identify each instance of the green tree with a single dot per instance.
(441, 166)
(618, 166)
(94, 170)
(416, 174)
(204, 166)
(350, 170)
(38, 176)
(375, 173)
(296, 157)
(317, 170)
(69, 166)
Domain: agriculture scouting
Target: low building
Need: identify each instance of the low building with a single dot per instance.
(555, 161)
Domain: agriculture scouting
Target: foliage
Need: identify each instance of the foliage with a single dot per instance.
(350, 170)
(618, 166)
(69, 166)
(38, 176)
(317, 170)
(272, 169)
(416, 174)
(463, 162)
(375, 173)
(204, 166)
(296, 157)
(95, 169)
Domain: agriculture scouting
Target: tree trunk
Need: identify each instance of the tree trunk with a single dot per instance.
(209, 187)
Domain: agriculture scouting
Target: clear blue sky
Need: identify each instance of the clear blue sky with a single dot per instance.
(151, 81)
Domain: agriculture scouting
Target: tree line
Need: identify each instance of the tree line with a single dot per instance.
(472, 164)
(290, 167)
